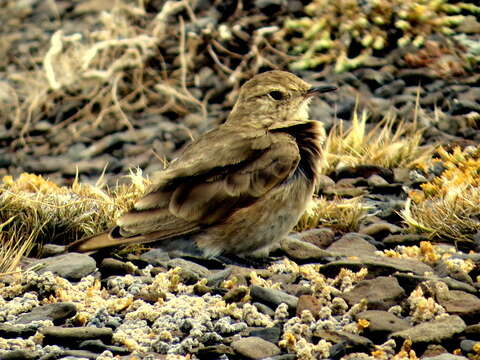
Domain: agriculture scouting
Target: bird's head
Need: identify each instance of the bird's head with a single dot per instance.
(272, 98)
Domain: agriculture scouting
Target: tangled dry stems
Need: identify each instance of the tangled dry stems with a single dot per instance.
(132, 63)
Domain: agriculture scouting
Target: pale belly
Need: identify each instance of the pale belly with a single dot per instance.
(254, 230)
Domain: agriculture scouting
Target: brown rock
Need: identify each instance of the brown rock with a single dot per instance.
(254, 347)
(382, 323)
(302, 250)
(432, 331)
(381, 293)
(309, 302)
(321, 237)
(352, 244)
(460, 303)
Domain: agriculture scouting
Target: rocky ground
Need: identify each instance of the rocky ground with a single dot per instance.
(379, 292)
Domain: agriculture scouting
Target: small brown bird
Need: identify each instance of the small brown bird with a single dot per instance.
(237, 189)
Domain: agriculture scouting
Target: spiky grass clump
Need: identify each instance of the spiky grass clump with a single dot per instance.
(341, 215)
(333, 30)
(447, 207)
(34, 210)
(382, 145)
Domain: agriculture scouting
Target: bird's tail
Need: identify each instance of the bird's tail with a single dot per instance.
(93, 243)
(113, 238)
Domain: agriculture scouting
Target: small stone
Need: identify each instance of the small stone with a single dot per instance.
(376, 180)
(467, 345)
(217, 277)
(61, 335)
(110, 267)
(95, 166)
(473, 331)
(20, 355)
(414, 77)
(309, 302)
(376, 265)
(9, 331)
(460, 303)
(346, 107)
(264, 309)
(273, 297)
(190, 271)
(321, 237)
(75, 354)
(254, 347)
(382, 323)
(442, 269)
(404, 239)
(374, 78)
(156, 257)
(235, 295)
(49, 250)
(381, 293)
(324, 181)
(352, 244)
(380, 229)
(271, 334)
(344, 342)
(57, 313)
(302, 250)
(463, 107)
(214, 351)
(72, 266)
(98, 346)
(432, 331)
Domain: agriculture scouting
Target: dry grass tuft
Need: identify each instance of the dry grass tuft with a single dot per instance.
(13, 247)
(447, 207)
(342, 215)
(34, 210)
(382, 145)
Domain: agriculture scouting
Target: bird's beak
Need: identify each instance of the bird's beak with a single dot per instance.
(315, 90)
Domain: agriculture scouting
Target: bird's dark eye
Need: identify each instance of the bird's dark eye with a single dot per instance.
(276, 95)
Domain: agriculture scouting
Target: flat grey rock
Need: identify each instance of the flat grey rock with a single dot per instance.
(72, 266)
(56, 312)
(432, 331)
(273, 297)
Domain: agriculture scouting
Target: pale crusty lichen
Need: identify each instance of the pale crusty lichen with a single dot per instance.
(253, 317)
(9, 310)
(433, 254)
(423, 308)
(257, 280)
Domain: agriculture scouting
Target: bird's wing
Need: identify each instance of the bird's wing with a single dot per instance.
(222, 171)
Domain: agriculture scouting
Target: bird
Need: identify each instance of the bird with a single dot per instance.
(237, 189)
